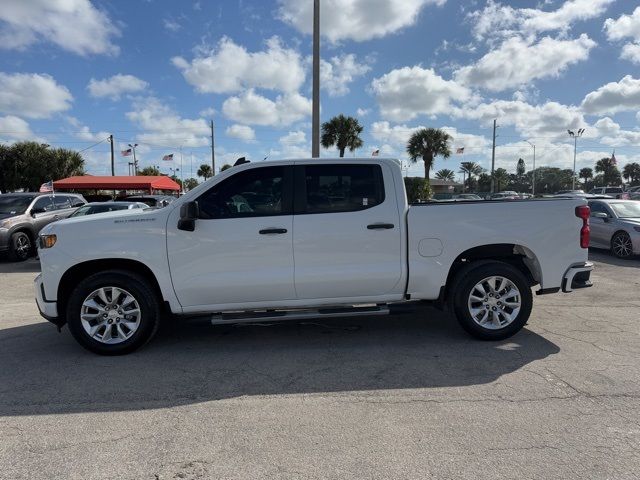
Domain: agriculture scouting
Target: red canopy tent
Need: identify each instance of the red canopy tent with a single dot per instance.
(90, 182)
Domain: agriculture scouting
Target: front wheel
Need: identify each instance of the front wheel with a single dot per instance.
(492, 301)
(621, 245)
(113, 312)
(20, 246)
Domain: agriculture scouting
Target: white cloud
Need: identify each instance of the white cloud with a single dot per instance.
(230, 68)
(363, 112)
(405, 93)
(626, 26)
(241, 132)
(74, 25)
(614, 97)
(292, 145)
(497, 21)
(208, 112)
(164, 127)
(171, 25)
(548, 119)
(32, 95)
(517, 62)
(253, 109)
(612, 134)
(13, 128)
(113, 87)
(357, 20)
(339, 72)
(83, 132)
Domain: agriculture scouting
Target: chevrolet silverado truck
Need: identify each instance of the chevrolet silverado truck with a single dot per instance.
(307, 238)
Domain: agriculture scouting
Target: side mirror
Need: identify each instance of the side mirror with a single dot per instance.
(189, 213)
(602, 215)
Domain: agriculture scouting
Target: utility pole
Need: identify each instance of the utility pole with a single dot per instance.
(575, 136)
(493, 156)
(135, 162)
(113, 168)
(181, 171)
(213, 153)
(533, 172)
(315, 114)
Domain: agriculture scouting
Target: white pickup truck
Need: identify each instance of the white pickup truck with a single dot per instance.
(299, 238)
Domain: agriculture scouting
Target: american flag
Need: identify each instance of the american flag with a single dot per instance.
(47, 187)
(375, 153)
(168, 158)
(460, 150)
(126, 153)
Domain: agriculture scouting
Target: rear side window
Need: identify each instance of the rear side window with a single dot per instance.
(342, 188)
(614, 190)
(61, 201)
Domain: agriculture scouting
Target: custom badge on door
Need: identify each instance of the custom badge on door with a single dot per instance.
(365, 201)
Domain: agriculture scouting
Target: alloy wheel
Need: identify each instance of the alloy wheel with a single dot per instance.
(110, 315)
(622, 245)
(494, 302)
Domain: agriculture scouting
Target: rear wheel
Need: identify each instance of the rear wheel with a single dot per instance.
(492, 301)
(621, 245)
(20, 246)
(113, 312)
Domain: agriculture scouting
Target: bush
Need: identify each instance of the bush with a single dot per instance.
(417, 189)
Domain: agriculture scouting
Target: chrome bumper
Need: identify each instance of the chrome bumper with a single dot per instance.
(577, 277)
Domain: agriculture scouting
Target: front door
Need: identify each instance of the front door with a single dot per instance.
(601, 229)
(241, 248)
(347, 232)
(43, 212)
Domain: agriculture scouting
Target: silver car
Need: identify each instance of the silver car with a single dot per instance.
(615, 225)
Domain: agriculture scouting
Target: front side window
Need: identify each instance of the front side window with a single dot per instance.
(258, 192)
(597, 207)
(342, 188)
(43, 204)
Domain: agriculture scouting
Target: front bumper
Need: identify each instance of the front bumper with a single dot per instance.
(48, 309)
(577, 276)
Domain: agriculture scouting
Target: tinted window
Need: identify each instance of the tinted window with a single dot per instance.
(76, 202)
(342, 188)
(43, 203)
(14, 204)
(598, 207)
(613, 190)
(61, 201)
(254, 193)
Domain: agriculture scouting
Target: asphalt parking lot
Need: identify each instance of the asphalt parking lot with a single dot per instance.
(406, 396)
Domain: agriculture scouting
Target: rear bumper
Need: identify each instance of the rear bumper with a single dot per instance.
(577, 276)
(48, 310)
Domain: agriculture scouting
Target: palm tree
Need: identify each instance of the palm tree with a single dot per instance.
(428, 143)
(501, 177)
(224, 167)
(585, 173)
(470, 169)
(343, 132)
(631, 172)
(446, 174)
(609, 170)
(205, 171)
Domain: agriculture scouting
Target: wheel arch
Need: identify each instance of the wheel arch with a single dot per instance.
(80, 271)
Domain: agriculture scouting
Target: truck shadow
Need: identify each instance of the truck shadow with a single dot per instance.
(44, 372)
(31, 265)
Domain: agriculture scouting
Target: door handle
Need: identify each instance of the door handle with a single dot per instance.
(380, 226)
(269, 231)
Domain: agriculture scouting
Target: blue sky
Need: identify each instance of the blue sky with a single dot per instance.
(155, 72)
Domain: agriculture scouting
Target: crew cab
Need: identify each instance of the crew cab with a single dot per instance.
(306, 238)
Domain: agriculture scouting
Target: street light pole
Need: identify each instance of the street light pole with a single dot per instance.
(135, 162)
(533, 174)
(575, 136)
(315, 112)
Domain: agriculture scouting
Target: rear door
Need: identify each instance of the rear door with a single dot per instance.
(347, 235)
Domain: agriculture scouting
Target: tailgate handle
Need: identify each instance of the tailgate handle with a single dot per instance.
(269, 231)
(380, 226)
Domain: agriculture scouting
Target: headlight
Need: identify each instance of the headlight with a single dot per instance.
(47, 241)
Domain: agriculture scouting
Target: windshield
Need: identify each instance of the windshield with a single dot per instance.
(626, 210)
(14, 205)
(91, 209)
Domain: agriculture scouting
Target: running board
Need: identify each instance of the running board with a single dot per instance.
(303, 314)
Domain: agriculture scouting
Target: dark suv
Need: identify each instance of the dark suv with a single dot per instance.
(22, 216)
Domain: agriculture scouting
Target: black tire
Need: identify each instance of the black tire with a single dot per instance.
(138, 287)
(621, 245)
(469, 277)
(20, 247)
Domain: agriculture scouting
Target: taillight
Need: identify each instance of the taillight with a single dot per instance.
(583, 212)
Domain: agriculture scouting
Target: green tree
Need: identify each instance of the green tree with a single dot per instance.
(446, 174)
(631, 173)
(520, 168)
(552, 179)
(501, 178)
(150, 171)
(609, 170)
(484, 182)
(176, 179)
(224, 167)
(190, 184)
(426, 144)
(469, 169)
(415, 187)
(586, 174)
(205, 171)
(343, 132)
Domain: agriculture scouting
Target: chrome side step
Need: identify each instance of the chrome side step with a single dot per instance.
(300, 314)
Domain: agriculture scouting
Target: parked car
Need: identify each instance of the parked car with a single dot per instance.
(23, 215)
(506, 195)
(156, 201)
(102, 207)
(358, 247)
(615, 225)
(615, 192)
(570, 192)
(634, 193)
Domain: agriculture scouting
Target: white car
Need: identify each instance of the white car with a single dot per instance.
(300, 238)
